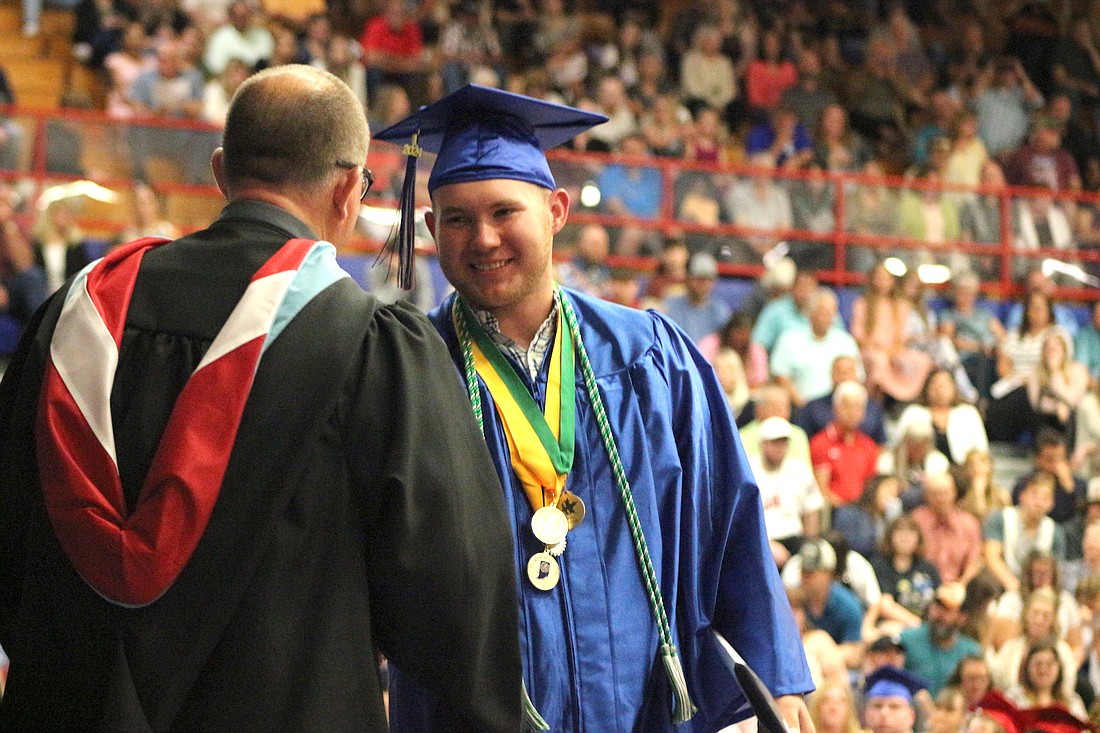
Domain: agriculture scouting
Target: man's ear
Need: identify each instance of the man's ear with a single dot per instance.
(345, 194)
(429, 220)
(217, 165)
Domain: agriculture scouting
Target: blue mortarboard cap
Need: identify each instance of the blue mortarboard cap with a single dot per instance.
(479, 134)
(891, 681)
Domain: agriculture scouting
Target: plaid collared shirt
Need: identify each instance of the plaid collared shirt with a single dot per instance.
(530, 358)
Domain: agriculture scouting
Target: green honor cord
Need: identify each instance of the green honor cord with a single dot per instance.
(682, 707)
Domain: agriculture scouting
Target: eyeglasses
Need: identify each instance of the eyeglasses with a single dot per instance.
(368, 177)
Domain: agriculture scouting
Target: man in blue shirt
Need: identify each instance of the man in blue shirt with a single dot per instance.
(697, 311)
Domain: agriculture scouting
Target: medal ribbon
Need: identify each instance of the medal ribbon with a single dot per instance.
(540, 441)
(132, 558)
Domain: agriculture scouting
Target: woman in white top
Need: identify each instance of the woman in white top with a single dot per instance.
(1014, 665)
(957, 426)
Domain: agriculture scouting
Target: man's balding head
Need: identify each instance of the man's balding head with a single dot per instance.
(289, 126)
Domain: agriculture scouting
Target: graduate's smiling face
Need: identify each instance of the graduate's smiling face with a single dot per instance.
(495, 240)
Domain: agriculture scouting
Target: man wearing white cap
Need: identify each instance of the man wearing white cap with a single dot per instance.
(792, 500)
(583, 402)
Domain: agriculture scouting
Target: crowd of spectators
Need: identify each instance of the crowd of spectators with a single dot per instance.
(868, 427)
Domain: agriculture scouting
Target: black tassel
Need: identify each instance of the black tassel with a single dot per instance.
(406, 227)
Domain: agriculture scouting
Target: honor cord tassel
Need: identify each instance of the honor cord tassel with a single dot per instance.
(532, 721)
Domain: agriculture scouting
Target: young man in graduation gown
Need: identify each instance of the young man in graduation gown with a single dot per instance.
(637, 524)
(228, 475)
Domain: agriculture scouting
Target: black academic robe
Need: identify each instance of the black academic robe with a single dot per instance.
(360, 510)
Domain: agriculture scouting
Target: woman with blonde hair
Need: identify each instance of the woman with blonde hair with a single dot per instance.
(832, 708)
(1058, 384)
(1011, 663)
(981, 495)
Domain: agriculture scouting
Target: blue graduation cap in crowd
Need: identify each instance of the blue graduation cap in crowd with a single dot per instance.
(891, 681)
(479, 134)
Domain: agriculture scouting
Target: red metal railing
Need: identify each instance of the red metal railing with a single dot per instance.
(104, 150)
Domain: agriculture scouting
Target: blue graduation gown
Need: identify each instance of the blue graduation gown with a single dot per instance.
(590, 645)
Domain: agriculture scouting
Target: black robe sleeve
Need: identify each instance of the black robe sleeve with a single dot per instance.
(442, 585)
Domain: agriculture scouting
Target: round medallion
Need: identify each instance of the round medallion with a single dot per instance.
(572, 507)
(550, 525)
(543, 571)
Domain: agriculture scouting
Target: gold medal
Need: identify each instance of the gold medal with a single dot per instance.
(572, 507)
(549, 525)
(543, 571)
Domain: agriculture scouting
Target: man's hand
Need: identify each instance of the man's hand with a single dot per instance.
(795, 714)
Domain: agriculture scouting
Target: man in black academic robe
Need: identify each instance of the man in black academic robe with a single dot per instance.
(359, 509)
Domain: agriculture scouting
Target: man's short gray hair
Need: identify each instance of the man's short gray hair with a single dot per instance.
(850, 390)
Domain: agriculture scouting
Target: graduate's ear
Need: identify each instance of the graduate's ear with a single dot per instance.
(559, 208)
(429, 220)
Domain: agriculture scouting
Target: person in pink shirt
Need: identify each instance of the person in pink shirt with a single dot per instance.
(770, 75)
(952, 536)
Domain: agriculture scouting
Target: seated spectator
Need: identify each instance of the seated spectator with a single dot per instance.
(243, 36)
(837, 147)
(22, 282)
(939, 116)
(468, 43)
(60, 247)
(843, 456)
(783, 138)
(665, 126)
(802, 359)
(1041, 570)
(786, 310)
(631, 188)
(980, 222)
(669, 277)
(952, 537)
(929, 214)
(758, 203)
(1086, 453)
(219, 90)
(905, 577)
(698, 312)
(1009, 412)
(124, 66)
(342, 59)
(771, 400)
(877, 99)
(11, 132)
(968, 154)
(873, 211)
(823, 655)
(974, 331)
(950, 711)
(981, 495)
(773, 282)
(707, 138)
(612, 100)
(1010, 534)
(1041, 223)
(1086, 344)
(1075, 571)
(813, 205)
(922, 333)
(913, 457)
(879, 319)
(1070, 490)
(730, 371)
(833, 709)
(1004, 98)
(1058, 385)
(558, 44)
(933, 649)
(816, 414)
(809, 98)
(829, 605)
(957, 426)
(1034, 669)
(1042, 161)
(587, 271)
(98, 29)
(973, 677)
(148, 217)
(394, 51)
(736, 336)
(1039, 282)
(790, 496)
(1088, 682)
(171, 88)
(769, 75)
(707, 75)
(864, 522)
